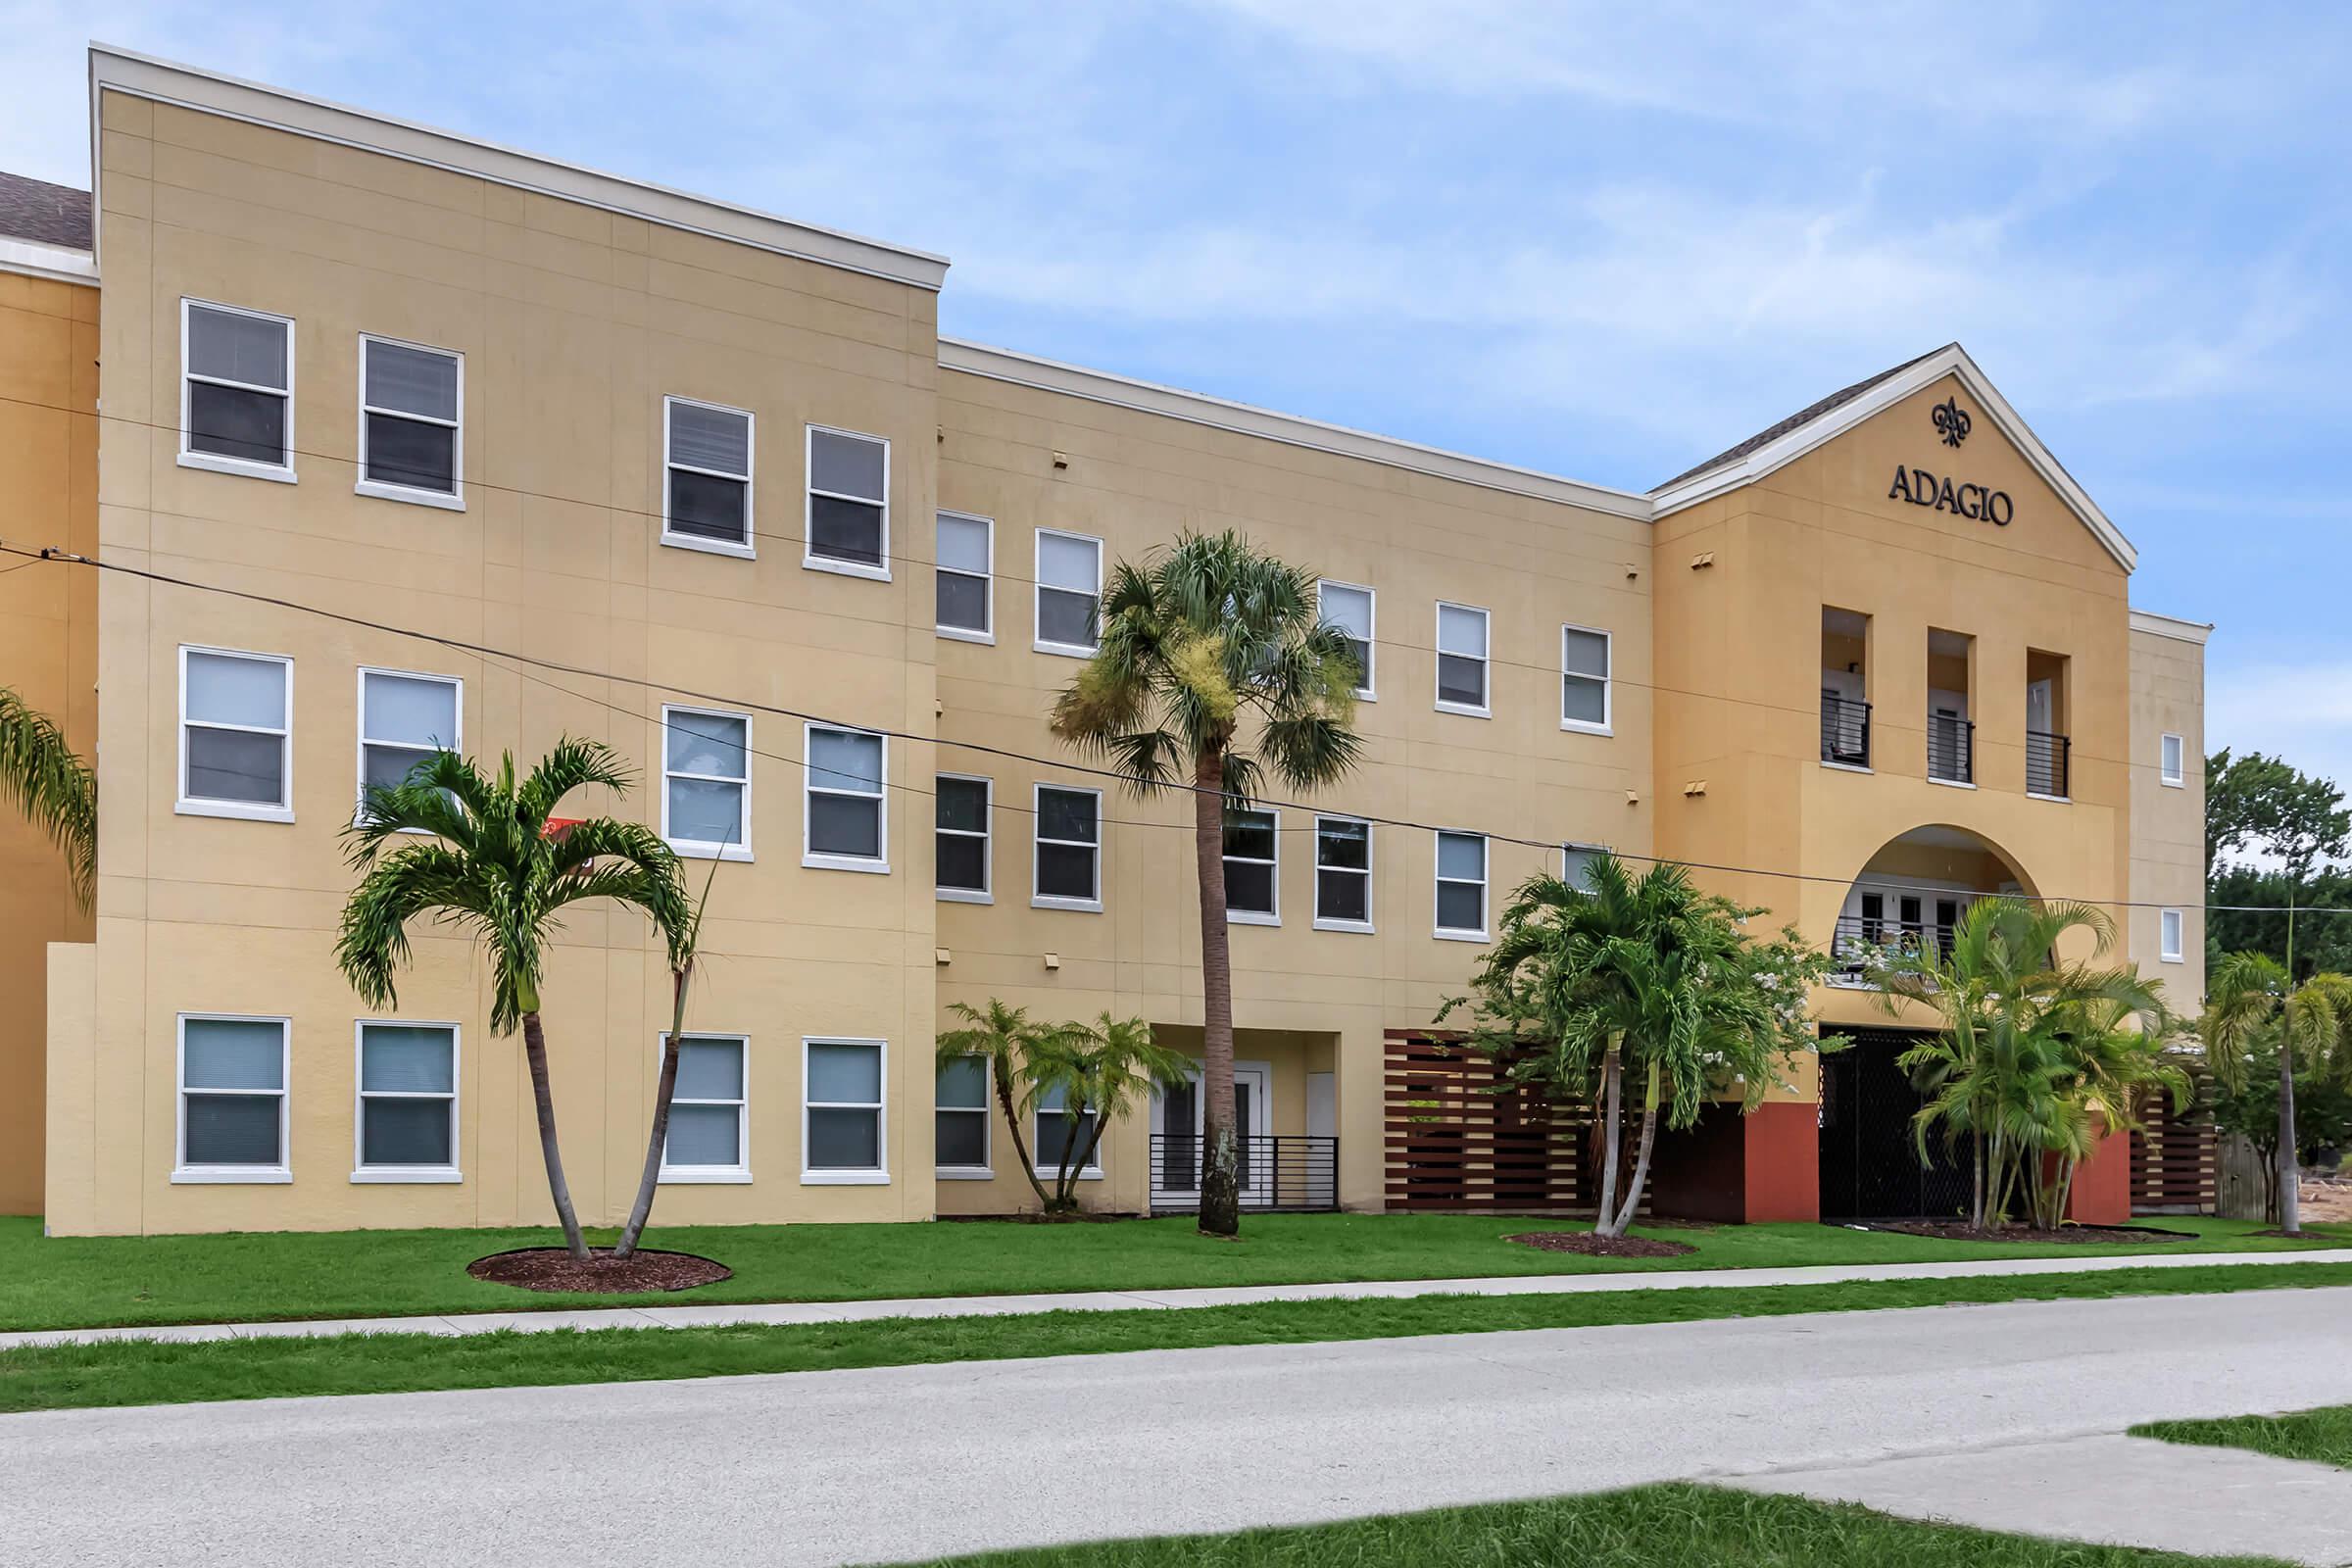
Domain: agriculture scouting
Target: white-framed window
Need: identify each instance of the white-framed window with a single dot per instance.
(232, 1099)
(236, 728)
(710, 1111)
(1576, 859)
(237, 390)
(1254, 867)
(404, 718)
(1066, 868)
(961, 1115)
(2168, 932)
(1585, 679)
(841, 1112)
(1462, 886)
(1349, 607)
(1342, 874)
(965, 595)
(1069, 592)
(707, 476)
(848, 503)
(2172, 762)
(706, 782)
(412, 423)
(846, 826)
(405, 1116)
(1056, 1127)
(1462, 659)
(963, 854)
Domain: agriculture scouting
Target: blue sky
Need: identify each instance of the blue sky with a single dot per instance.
(1603, 240)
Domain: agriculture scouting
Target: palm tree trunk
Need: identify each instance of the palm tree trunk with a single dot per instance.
(1976, 1196)
(656, 1141)
(1012, 1122)
(534, 1052)
(1611, 1071)
(1633, 1188)
(1220, 1175)
(2290, 1171)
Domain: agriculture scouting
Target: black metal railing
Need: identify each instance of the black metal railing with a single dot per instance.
(2046, 758)
(1844, 730)
(1277, 1172)
(1951, 749)
(1862, 943)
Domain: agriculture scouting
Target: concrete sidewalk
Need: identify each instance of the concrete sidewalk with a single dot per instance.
(803, 1312)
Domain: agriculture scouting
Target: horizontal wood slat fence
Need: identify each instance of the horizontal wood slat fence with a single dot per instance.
(2174, 1162)
(1461, 1136)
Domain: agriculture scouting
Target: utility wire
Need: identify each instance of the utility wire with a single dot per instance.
(478, 649)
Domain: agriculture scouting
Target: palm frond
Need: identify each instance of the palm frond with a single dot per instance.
(41, 777)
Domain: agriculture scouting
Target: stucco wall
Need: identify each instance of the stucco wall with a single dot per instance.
(2167, 837)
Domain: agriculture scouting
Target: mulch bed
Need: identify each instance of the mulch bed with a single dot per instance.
(1587, 1245)
(550, 1268)
(1954, 1230)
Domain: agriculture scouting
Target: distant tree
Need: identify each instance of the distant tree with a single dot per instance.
(2260, 804)
(2252, 1006)
(42, 778)
(2246, 913)
(2323, 1114)
(1648, 978)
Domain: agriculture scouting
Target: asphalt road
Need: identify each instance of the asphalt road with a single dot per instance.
(907, 1463)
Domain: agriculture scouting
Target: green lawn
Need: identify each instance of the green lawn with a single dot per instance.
(2323, 1436)
(77, 1282)
(148, 1372)
(1674, 1526)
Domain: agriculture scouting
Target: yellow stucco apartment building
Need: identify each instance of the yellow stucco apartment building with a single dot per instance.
(403, 440)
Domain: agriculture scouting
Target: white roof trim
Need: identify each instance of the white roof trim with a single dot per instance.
(58, 263)
(1951, 360)
(164, 81)
(1243, 419)
(2156, 625)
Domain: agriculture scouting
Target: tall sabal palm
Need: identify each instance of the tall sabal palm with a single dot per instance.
(1212, 670)
(1006, 1040)
(1649, 974)
(2252, 1002)
(40, 776)
(495, 865)
(2029, 1060)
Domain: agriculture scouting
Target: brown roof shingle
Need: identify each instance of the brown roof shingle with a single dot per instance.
(1802, 417)
(46, 214)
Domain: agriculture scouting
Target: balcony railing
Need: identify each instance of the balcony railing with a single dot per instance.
(1862, 941)
(2046, 758)
(1951, 749)
(1278, 1172)
(1844, 731)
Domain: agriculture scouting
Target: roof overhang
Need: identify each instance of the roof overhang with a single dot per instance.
(116, 70)
(2155, 625)
(1953, 362)
(60, 264)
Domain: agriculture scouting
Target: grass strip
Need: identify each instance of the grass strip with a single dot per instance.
(102, 1281)
(153, 1372)
(1671, 1526)
(2323, 1436)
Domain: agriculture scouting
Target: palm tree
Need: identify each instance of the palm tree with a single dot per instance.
(1097, 1071)
(2030, 1058)
(497, 865)
(2251, 1002)
(1649, 974)
(1197, 644)
(40, 776)
(1008, 1042)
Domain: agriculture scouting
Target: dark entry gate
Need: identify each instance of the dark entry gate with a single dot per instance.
(1870, 1166)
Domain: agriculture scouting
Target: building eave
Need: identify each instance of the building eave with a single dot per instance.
(122, 71)
(1952, 361)
(59, 263)
(2156, 625)
(1243, 419)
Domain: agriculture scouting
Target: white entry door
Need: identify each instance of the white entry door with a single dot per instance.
(1176, 1116)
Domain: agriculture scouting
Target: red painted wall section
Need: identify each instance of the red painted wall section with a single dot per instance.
(2103, 1193)
(1783, 1163)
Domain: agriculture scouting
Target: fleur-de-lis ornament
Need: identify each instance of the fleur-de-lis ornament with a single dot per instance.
(1952, 420)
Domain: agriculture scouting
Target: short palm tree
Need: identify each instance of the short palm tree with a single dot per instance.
(1213, 670)
(499, 865)
(2032, 1058)
(2252, 1002)
(1008, 1041)
(1098, 1072)
(40, 776)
